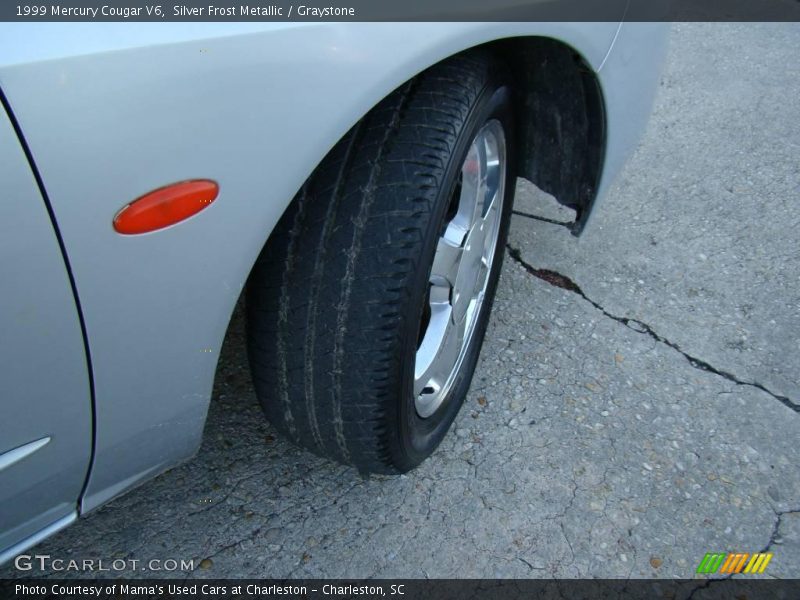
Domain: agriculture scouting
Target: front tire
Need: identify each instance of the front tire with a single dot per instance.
(368, 306)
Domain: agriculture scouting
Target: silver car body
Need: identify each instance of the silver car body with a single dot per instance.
(110, 342)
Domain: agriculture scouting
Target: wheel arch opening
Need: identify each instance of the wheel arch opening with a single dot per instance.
(561, 120)
(560, 116)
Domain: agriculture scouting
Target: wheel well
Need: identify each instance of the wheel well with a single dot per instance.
(561, 117)
(560, 113)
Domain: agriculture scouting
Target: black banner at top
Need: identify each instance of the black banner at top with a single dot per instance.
(398, 10)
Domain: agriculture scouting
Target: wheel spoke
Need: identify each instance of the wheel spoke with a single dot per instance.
(469, 271)
(427, 360)
(473, 186)
(431, 378)
(496, 177)
(491, 222)
(451, 346)
(445, 263)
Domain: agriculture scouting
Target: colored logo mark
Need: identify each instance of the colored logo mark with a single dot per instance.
(733, 562)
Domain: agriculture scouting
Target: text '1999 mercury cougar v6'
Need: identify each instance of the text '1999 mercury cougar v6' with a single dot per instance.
(353, 181)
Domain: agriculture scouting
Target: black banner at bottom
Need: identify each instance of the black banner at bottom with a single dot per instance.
(404, 589)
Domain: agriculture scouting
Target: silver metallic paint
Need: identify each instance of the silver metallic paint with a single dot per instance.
(45, 387)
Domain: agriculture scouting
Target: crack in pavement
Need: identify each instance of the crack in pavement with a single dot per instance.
(568, 224)
(779, 514)
(562, 281)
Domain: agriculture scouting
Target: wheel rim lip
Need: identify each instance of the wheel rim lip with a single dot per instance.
(428, 402)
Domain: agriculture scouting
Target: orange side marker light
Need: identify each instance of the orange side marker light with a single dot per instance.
(165, 206)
